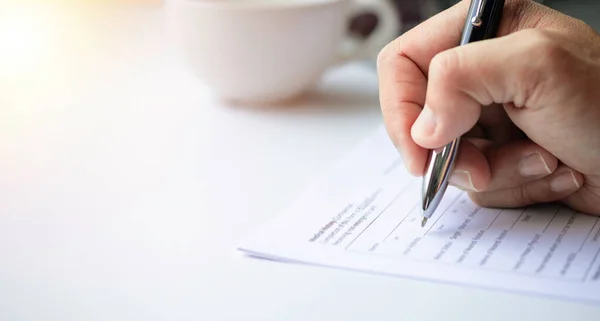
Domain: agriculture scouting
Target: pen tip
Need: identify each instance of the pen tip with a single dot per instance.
(424, 221)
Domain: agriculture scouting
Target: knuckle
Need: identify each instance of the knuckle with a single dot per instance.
(547, 48)
(389, 53)
(549, 64)
(445, 65)
(521, 195)
(549, 52)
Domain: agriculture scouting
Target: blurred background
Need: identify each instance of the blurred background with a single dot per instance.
(43, 42)
(415, 11)
(412, 11)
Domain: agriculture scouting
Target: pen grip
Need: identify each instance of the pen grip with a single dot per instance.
(490, 14)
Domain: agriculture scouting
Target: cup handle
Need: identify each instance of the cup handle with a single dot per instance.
(388, 27)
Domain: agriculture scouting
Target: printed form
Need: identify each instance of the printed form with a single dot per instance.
(363, 214)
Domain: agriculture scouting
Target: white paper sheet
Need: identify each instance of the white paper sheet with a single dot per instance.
(363, 215)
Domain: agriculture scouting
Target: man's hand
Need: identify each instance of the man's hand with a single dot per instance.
(536, 138)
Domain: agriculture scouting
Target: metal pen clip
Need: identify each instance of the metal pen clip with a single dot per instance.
(476, 21)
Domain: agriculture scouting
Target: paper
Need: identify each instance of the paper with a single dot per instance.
(363, 215)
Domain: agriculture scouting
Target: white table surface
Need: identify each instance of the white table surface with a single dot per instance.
(125, 187)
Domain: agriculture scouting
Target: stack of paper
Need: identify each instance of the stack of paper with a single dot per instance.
(364, 215)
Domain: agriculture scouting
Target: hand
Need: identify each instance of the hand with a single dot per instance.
(527, 104)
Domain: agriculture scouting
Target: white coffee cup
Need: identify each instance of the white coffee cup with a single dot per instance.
(265, 51)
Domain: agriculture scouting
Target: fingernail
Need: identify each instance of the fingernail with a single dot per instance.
(534, 165)
(425, 123)
(462, 180)
(564, 182)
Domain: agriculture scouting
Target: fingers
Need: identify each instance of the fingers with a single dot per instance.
(523, 69)
(432, 91)
(403, 67)
(471, 169)
(481, 167)
(586, 199)
(555, 187)
(443, 31)
(517, 174)
(521, 173)
(420, 44)
(459, 81)
(402, 93)
(518, 163)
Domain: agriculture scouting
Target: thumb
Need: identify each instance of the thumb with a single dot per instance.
(512, 69)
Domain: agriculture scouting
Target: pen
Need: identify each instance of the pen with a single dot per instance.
(482, 23)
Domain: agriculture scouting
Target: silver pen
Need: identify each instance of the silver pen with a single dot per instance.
(482, 23)
(435, 181)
